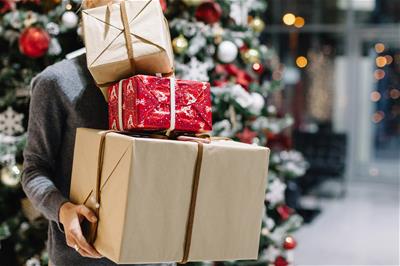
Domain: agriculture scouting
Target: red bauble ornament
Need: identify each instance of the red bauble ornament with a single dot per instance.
(6, 5)
(281, 261)
(289, 243)
(163, 4)
(34, 42)
(284, 211)
(209, 12)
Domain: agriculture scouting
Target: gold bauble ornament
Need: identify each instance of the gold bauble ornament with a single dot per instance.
(218, 34)
(193, 2)
(11, 175)
(251, 56)
(180, 44)
(257, 24)
(217, 39)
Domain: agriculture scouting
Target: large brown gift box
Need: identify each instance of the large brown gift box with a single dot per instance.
(106, 32)
(170, 201)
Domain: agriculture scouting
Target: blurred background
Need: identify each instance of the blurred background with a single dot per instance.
(317, 81)
(342, 86)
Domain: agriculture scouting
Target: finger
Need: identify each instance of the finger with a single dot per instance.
(83, 253)
(70, 237)
(72, 243)
(87, 213)
(69, 240)
(87, 247)
(83, 244)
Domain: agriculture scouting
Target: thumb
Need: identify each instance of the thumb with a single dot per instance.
(87, 213)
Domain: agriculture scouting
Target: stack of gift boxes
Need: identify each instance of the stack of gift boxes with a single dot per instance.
(162, 192)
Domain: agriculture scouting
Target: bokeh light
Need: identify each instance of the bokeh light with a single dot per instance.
(299, 22)
(301, 62)
(378, 116)
(381, 61)
(289, 19)
(256, 66)
(379, 74)
(394, 94)
(389, 59)
(379, 47)
(375, 96)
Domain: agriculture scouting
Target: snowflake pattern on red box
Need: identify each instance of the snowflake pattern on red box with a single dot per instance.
(146, 104)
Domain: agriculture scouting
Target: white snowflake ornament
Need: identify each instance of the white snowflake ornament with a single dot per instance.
(196, 43)
(195, 70)
(276, 192)
(239, 11)
(11, 122)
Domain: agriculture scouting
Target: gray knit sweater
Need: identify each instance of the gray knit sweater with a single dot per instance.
(64, 97)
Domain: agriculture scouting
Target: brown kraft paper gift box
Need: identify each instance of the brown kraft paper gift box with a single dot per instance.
(106, 34)
(146, 189)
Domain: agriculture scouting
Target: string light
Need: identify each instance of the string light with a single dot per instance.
(68, 6)
(378, 116)
(301, 62)
(289, 19)
(394, 94)
(379, 74)
(389, 59)
(257, 67)
(381, 61)
(379, 47)
(375, 96)
(299, 22)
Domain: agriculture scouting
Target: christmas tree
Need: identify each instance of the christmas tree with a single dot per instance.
(33, 35)
(215, 41)
(218, 41)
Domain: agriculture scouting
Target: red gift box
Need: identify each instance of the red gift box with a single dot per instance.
(144, 103)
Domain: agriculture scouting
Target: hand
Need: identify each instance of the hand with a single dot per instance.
(71, 216)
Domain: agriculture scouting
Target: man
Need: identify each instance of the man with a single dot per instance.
(63, 98)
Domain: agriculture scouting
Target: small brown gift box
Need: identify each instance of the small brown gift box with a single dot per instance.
(170, 201)
(106, 34)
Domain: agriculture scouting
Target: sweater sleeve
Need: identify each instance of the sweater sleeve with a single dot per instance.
(45, 125)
